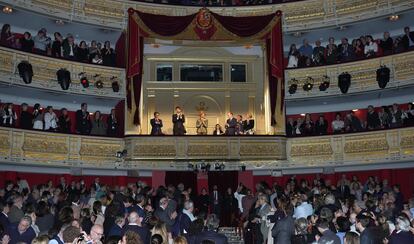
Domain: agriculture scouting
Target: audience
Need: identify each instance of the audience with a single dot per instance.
(60, 47)
(48, 120)
(362, 47)
(380, 118)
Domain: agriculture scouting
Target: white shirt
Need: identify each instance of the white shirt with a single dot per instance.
(371, 47)
(239, 198)
(303, 210)
(50, 121)
(338, 125)
(293, 62)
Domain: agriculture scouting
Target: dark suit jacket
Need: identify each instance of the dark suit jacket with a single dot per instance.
(405, 42)
(178, 128)
(143, 232)
(115, 230)
(156, 127)
(329, 237)
(4, 220)
(83, 125)
(231, 128)
(165, 217)
(403, 237)
(185, 222)
(283, 230)
(211, 235)
(16, 237)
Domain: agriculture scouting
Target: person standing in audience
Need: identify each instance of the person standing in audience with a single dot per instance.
(156, 125)
(22, 232)
(210, 233)
(218, 131)
(26, 42)
(346, 52)
(306, 50)
(231, 124)
(64, 123)
(108, 54)
(7, 38)
(37, 117)
(83, 125)
(359, 49)
(298, 126)
(293, 57)
(135, 225)
(9, 116)
(203, 201)
(371, 48)
(373, 121)
(248, 125)
(69, 48)
(26, 118)
(396, 116)
(385, 117)
(407, 40)
(93, 50)
(318, 53)
(82, 53)
(57, 45)
(386, 44)
(216, 200)
(178, 120)
(338, 124)
(290, 127)
(98, 125)
(352, 123)
(308, 126)
(331, 51)
(239, 125)
(321, 126)
(50, 119)
(409, 115)
(230, 206)
(202, 124)
(41, 42)
(112, 124)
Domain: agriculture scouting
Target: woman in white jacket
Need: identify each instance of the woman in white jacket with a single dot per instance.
(50, 119)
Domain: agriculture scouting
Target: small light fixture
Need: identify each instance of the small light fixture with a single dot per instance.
(297, 34)
(7, 10)
(59, 22)
(99, 84)
(303, 115)
(83, 80)
(394, 17)
(355, 110)
(293, 86)
(308, 84)
(325, 84)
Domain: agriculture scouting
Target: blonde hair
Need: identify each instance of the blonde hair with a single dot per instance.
(43, 239)
(160, 229)
(180, 240)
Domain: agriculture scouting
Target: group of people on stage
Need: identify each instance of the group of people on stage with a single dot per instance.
(234, 125)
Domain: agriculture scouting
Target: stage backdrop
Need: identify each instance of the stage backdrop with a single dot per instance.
(205, 26)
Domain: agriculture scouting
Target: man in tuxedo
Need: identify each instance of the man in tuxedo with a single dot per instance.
(186, 217)
(215, 201)
(211, 232)
(343, 190)
(4, 210)
(156, 125)
(164, 215)
(408, 38)
(231, 124)
(178, 120)
(135, 225)
(83, 125)
(116, 229)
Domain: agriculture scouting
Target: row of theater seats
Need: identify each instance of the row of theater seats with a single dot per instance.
(60, 47)
(358, 120)
(63, 121)
(346, 51)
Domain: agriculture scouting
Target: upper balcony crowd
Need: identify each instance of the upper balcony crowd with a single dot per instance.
(386, 117)
(219, 2)
(60, 47)
(360, 48)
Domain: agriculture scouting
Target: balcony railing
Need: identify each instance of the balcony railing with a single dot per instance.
(22, 147)
(363, 75)
(298, 16)
(44, 74)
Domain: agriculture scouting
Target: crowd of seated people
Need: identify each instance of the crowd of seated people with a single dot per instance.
(60, 46)
(359, 48)
(375, 119)
(299, 212)
(47, 119)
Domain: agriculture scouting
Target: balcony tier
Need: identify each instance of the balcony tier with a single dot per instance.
(21, 147)
(302, 15)
(44, 74)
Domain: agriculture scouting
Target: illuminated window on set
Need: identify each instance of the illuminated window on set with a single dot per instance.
(201, 72)
(164, 72)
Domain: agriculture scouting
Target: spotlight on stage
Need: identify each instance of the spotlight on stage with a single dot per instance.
(63, 77)
(25, 71)
(325, 84)
(308, 84)
(383, 76)
(293, 86)
(344, 82)
(83, 80)
(115, 84)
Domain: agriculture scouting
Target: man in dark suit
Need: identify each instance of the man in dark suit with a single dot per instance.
(408, 38)
(83, 125)
(165, 215)
(116, 229)
(135, 225)
(21, 232)
(4, 219)
(346, 52)
(343, 190)
(178, 120)
(328, 236)
(186, 217)
(215, 201)
(156, 125)
(211, 233)
(284, 229)
(231, 124)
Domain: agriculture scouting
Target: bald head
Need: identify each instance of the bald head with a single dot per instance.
(134, 218)
(96, 232)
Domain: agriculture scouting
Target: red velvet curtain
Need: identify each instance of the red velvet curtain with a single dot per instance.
(120, 51)
(164, 25)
